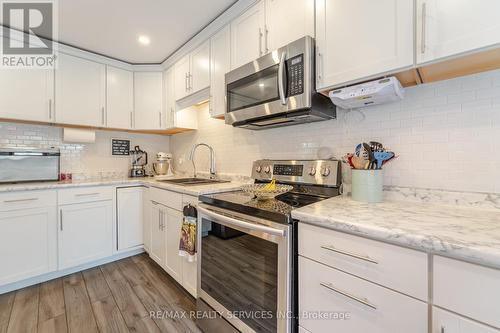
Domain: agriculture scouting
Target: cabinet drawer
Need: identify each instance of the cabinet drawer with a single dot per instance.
(84, 194)
(444, 321)
(166, 198)
(27, 199)
(353, 305)
(392, 266)
(467, 289)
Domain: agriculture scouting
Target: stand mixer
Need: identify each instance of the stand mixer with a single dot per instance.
(163, 164)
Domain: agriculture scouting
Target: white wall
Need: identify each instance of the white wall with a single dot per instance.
(83, 160)
(447, 136)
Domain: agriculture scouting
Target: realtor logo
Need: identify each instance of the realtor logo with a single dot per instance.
(28, 34)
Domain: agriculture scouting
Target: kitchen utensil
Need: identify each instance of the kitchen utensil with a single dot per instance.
(259, 191)
(358, 150)
(163, 164)
(358, 162)
(390, 159)
(347, 158)
(376, 146)
(371, 158)
(382, 156)
(139, 160)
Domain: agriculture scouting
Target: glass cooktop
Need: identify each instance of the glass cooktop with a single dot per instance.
(277, 209)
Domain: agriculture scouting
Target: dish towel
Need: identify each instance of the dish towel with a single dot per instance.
(187, 244)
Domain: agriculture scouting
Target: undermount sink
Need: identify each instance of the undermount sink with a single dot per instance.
(193, 181)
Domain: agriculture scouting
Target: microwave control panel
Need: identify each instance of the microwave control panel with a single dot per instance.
(295, 68)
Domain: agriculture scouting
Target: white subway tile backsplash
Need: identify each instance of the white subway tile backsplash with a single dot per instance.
(83, 160)
(443, 132)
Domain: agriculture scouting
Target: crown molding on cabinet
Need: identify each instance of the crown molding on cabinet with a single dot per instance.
(225, 18)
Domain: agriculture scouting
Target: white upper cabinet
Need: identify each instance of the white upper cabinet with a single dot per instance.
(169, 88)
(220, 64)
(120, 98)
(288, 20)
(192, 73)
(359, 39)
(80, 92)
(182, 78)
(148, 92)
(27, 94)
(450, 27)
(247, 35)
(200, 67)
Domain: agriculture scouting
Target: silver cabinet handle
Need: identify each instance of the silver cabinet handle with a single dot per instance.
(50, 109)
(363, 301)
(102, 115)
(350, 254)
(159, 117)
(281, 79)
(319, 66)
(266, 31)
(443, 329)
(424, 27)
(61, 220)
(86, 194)
(20, 200)
(260, 41)
(186, 87)
(190, 81)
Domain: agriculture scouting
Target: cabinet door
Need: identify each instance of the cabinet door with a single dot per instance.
(148, 91)
(181, 77)
(157, 250)
(299, 22)
(173, 233)
(446, 28)
(200, 67)
(247, 35)
(220, 64)
(146, 218)
(444, 321)
(168, 78)
(129, 217)
(28, 243)
(80, 92)
(85, 233)
(120, 98)
(359, 39)
(27, 94)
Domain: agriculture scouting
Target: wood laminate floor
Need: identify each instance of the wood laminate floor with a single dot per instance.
(116, 297)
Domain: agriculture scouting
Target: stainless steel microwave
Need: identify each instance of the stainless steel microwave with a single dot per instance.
(29, 164)
(277, 89)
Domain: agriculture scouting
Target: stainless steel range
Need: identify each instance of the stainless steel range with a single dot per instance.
(248, 266)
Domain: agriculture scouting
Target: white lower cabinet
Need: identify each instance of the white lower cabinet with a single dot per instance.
(447, 322)
(146, 220)
(129, 217)
(157, 249)
(173, 262)
(28, 243)
(85, 232)
(354, 305)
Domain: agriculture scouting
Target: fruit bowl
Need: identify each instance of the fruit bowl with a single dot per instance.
(260, 192)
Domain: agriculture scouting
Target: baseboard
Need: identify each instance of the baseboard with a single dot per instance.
(53, 275)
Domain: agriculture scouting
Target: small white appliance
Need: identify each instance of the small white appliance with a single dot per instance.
(381, 91)
(163, 164)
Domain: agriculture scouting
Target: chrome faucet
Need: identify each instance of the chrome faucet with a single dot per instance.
(212, 159)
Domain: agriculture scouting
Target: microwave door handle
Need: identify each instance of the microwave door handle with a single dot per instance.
(281, 79)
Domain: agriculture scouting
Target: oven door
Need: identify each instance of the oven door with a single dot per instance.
(245, 269)
(279, 82)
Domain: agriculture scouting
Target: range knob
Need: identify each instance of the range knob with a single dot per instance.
(258, 169)
(312, 171)
(325, 172)
(267, 169)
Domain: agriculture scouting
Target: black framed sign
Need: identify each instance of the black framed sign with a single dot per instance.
(120, 147)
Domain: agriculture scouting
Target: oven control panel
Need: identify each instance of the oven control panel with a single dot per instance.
(295, 67)
(316, 172)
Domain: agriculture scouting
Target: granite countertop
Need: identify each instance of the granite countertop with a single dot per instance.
(153, 182)
(470, 234)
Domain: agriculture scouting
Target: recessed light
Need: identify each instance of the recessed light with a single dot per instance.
(144, 40)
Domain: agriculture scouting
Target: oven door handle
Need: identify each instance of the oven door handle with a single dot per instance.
(281, 79)
(242, 224)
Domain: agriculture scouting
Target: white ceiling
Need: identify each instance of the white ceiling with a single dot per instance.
(112, 27)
